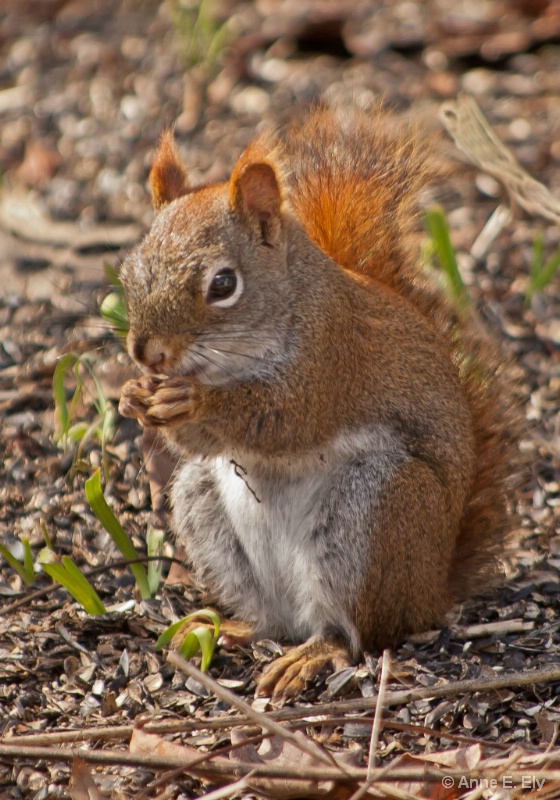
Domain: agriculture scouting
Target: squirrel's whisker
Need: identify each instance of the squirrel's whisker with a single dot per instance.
(217, 364)
(221, 351)
(240, 335)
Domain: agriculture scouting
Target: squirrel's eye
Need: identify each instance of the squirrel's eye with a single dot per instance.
(223, 285)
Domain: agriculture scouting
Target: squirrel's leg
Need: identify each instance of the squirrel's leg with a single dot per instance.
(204, 530)
(383, 547)
(414, 526)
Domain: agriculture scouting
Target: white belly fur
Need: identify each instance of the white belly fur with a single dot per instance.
(274, 511)
(275, 534)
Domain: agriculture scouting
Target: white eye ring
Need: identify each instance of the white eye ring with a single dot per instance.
(214, 286)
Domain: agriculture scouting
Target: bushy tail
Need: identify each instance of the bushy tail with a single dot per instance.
(353, 181)
(494, 398)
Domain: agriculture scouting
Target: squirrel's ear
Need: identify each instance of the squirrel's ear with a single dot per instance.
(168, 177)
(255, 194)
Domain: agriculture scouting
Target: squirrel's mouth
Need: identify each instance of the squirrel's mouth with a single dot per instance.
(192, 371)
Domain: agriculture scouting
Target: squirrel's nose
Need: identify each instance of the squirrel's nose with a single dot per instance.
(150, 353)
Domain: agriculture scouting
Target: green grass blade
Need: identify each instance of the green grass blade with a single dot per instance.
(46, 536)
(99, 399)
(28, 564)
(104, 425)
(217, 44)
(77, 370)
(540, 275)
(169, 633)
(81, 436)
(85, 587)
(439, 231)
(199, 639)
(191, 643)
(106, 435)
(550, 269)
(207, 644)
(69, 576)
(17, 565)
(214, 619)
(96, 499)
(77, 432)
(537, 259)
(546, 274)
(61, 409)
(154, 544)
(59, 575)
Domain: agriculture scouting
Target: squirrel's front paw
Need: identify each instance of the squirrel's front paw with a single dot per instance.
(135, 399)
(156, 401)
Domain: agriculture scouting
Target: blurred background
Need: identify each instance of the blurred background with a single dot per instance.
(86, 86)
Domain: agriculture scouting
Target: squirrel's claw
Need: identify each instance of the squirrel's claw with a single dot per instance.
(135, 400)
(171, 404)
(287, 676)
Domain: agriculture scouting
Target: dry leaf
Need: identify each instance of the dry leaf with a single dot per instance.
(430, 790)
(279, 752)
(142, 743)
(473, 135)
(460, 758)
(39, 164)
(547, 727)
(82, 786)
(160, 465)
(179, 575)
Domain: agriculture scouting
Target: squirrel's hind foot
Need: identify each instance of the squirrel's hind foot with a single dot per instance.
(287, 676)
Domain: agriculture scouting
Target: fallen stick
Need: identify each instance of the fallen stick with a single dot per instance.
(264, 721)
(226, 769)
(399, 697)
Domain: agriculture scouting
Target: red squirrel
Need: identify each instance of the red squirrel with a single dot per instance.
(344, 433)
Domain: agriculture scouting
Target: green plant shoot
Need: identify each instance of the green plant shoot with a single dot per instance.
(541, 274)
(96, 499)
(154, 543)
(202, 37)
(113, 310)
(61, 406)
(201, 639)
(445, 252)
(81, 432)
(24, 567)
(67, 574)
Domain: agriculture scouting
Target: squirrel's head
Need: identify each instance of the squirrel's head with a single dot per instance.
(205, 288)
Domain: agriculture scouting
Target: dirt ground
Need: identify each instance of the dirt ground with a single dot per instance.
(85, 90)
